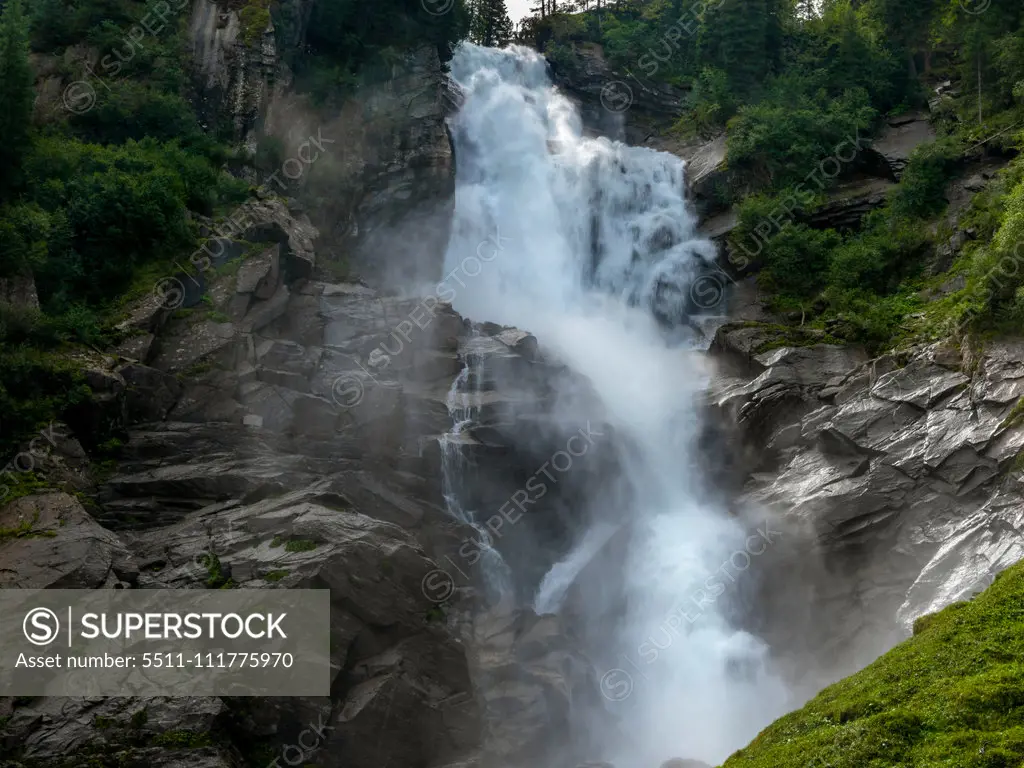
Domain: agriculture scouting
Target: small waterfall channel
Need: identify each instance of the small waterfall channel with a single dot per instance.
(465, 399)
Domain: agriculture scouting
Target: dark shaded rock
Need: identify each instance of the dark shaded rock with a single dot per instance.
(849, 203)
(19, 293)
(259, 276)
(150, 393)
(626, 107)
(900, 137)
(705, 173)
(397, 197)
(60, 733)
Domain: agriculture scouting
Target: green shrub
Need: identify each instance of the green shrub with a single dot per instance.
(781, 142)
(796, 260)
(344, 36)
(923, 182)
(712, 103)
(36, 387)
(254, 18)
(24, 230)
(129, 110)
(109, 210)
(880, 258)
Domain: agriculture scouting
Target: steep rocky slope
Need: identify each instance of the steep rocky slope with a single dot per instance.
(268, 446)
(903, 470)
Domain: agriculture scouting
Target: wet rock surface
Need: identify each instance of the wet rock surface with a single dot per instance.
(903, 472)
(622, 106)
(285, 432)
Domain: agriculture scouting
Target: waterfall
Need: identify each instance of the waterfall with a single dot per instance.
(557, 581)
(464, 406)
(602, 263)
(461, 407)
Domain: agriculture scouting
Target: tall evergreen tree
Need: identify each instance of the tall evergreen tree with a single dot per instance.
(907, 24)
(16, 94)
(491, 25)
(733, 38)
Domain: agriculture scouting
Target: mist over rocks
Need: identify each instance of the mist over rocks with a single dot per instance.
(286, 455)
(688, 543)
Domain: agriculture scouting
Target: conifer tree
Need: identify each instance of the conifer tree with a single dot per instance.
(16, 94)
(733, 38)
(491, 25)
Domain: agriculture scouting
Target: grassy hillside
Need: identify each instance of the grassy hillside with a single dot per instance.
(952, 695)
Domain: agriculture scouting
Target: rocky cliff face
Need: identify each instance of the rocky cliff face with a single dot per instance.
(263, 407)
(615, 104)
(902, 472)
(386, 184)
(234, 68)
(398, 177)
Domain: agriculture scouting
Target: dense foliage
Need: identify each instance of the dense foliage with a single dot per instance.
(951, 695)
(348, 42)
(490, 24)
(799, 88)
(95, 191)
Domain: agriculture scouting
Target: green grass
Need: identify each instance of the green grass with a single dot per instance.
(293, 545)
(1016, 415)
(102, 722)
(15, 485)
(25, 530)
(217, 577)
(952, 695)
(182, 739)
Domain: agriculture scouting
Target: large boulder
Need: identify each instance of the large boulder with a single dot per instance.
(48, 541)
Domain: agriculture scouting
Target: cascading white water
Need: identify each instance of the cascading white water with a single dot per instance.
(461, 408)
(557, 581)
(599, 260)
(464, 406)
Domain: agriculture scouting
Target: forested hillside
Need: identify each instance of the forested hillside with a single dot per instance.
(99, 196)
(789, 83)
(99, 191)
